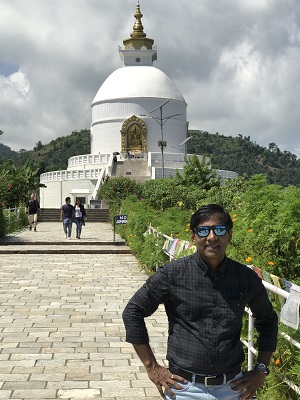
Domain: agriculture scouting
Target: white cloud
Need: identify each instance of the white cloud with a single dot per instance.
(19, 83)
(236, 63)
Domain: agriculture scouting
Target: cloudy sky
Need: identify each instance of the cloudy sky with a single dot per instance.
(236, 62)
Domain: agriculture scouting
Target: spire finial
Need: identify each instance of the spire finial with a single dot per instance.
(138, 48)
(138, 29)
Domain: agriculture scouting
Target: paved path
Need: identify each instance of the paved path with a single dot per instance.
(61, 331)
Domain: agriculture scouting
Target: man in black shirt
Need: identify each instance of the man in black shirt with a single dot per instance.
(33, 208)
(204, 297)
(67, 215)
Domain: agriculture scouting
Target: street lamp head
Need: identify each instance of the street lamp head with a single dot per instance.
(185, 140)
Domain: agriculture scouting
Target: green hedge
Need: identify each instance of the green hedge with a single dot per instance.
(266, 234)
(11, 220)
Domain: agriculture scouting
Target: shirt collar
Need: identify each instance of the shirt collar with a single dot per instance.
(220, 271)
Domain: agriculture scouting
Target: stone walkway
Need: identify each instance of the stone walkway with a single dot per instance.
(61, 329)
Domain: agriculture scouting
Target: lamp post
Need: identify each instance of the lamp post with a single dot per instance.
(162, 144)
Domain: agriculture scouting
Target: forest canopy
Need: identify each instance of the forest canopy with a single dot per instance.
(237, 154)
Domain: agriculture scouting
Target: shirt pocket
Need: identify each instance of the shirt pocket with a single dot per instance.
(235, 310)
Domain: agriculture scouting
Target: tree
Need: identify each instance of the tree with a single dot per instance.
(16, 183)
(38, 146)
(198, 173)
(116, 190)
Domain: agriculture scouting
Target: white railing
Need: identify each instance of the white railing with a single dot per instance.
(70, 175)
(8, 212)
(173, 161)
(171, 158)
(98, 184)
(250, 343)
(88, 159)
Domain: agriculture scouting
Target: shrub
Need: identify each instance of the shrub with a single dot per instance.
(2, 224)
(12, 220)
(116, 190)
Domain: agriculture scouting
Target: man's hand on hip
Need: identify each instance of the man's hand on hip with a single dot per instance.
(162, 378)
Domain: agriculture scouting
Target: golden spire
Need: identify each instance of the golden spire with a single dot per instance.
(138, 29)
(138, 37)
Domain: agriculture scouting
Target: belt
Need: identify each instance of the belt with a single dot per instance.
(209, 380)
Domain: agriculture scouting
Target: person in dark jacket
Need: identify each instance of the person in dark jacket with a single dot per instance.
(67, 216)
(33, 208)
(80, 216)
(204, 295)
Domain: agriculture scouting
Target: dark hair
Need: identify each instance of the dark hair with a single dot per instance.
(68, 199)
(207, 211)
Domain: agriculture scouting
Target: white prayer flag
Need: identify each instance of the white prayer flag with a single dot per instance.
(290, 311)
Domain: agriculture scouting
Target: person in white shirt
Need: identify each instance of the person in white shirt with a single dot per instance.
(80, 215)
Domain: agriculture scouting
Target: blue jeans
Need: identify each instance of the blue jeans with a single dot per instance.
(198, 391)
(67, 224)
(78, 222)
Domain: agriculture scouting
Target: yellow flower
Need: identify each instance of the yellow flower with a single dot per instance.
(277, 362)
(186, 230)
(248, 259)
(187, 224)
(271, 263)
(250, 230)
(234, 219)
(234, 215)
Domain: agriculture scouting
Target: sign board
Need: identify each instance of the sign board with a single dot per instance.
(121, 219)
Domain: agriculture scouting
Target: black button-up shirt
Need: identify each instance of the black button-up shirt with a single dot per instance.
(205, 308)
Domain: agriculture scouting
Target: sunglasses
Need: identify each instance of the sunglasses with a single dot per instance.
(203, 231)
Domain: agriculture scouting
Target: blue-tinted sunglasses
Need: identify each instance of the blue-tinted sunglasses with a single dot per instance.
(203, 231)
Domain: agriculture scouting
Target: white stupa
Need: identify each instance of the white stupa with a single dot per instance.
(138, 122)
(123, 116)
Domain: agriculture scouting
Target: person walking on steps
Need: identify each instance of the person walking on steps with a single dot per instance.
(33, 208)
(80, 215)
(67, 216)
(204, 295)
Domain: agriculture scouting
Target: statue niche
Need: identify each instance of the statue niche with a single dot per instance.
(134, 135)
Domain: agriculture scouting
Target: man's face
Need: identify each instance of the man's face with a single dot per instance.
(212, 248)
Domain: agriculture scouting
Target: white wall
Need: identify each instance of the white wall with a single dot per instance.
(53, 196)
(108, 118)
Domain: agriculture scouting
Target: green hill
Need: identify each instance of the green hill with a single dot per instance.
(6, 152)
(243, 156)
(237, 154)
(53, 156)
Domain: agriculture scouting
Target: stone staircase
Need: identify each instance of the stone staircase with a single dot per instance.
(136, 169)
(93, 215)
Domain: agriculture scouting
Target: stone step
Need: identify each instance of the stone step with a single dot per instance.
(135, 169)
(93, 214)
(62, 334)
(60, 250)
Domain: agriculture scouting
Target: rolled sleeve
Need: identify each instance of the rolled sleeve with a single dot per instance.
(143, 304)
